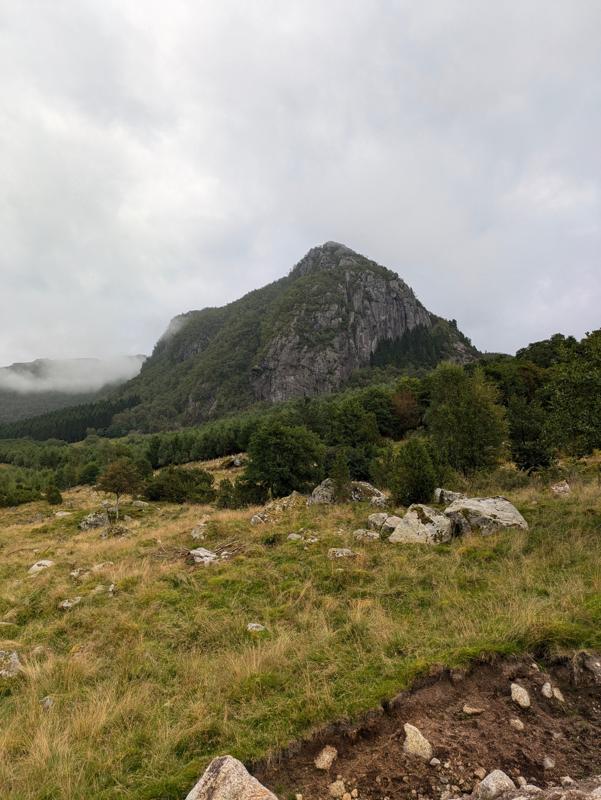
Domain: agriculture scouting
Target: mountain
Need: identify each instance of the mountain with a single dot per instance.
(303, 335)
(37, 387)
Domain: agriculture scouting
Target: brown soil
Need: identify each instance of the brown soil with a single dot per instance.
(370, 752)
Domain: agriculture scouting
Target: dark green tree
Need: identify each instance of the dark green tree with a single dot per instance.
(284, 458)
(341, 476)
(413, 478)
(467, 425)
(181, 485)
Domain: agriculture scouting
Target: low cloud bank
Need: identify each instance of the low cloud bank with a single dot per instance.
(72, 376)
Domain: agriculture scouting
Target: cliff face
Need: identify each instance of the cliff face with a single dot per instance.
(303, 335)
(351, 306)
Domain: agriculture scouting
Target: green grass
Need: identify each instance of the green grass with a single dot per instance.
(152, 683)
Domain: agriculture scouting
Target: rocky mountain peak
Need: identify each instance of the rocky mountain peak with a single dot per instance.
(328, 256)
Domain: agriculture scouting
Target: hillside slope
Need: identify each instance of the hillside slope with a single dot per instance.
(300, 336)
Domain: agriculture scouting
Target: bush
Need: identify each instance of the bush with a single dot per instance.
(413, 478)
(53, 495)
(180, 485)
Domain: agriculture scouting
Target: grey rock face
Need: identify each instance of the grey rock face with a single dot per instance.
(383, 522)
(484, 515)
(422, 525)
(227, 778)
(360, 491)
(368, 305)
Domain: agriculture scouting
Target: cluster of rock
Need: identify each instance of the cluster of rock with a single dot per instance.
(425, 525)
(226, 778)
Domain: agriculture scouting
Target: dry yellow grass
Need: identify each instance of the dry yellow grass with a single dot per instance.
(151, 682)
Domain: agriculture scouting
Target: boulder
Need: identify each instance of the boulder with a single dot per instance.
(416, 743)
(379, 501)
(226, 778)
(97, 519)
(484, 515)
(446, 496)
(40, 566)
(422, 525)
(383, 522)
(561, 489)
(495, 784)
(10, 666)
(259, 519)
(322, 494)
(361, 491)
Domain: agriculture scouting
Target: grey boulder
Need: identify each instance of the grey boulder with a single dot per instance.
(422, 525)
(484, 515)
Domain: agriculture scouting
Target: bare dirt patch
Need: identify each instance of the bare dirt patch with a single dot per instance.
(371, 757)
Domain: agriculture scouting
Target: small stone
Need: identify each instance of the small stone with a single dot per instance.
(520, 696)
(532, 789)
(548, 762)
(494, 784)
(326, 757)
(62, 514)
(39, 566)
(47, 703)
(472, 711)
(547, 690)
(480, 773)
(566, 781)
(294, 537)
(66, 605)
(346, 796)
(337, 789)
(558, 695)
(340, 552)
(521, 781)
(355, 793)
(255, 627)
(203, 556)
(298, 797)
(363, 535)
(10, 666)
(517, 724)
(416, 743)
(561, 489)
(434, 762)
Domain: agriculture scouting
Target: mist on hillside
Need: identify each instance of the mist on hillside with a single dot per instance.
(74, 376)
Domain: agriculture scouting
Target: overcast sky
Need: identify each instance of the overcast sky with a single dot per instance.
(162, 156)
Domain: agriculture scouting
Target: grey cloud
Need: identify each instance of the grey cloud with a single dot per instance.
(74, 376)
(156, 158)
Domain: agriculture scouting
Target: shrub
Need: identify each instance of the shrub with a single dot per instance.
(180, 485)
(53, 495)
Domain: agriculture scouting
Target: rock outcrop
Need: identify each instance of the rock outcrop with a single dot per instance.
(360, 491)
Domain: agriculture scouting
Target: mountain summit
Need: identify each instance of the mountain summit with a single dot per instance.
(303, 335)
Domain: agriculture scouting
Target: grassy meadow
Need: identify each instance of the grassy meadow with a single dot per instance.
(151, 681)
